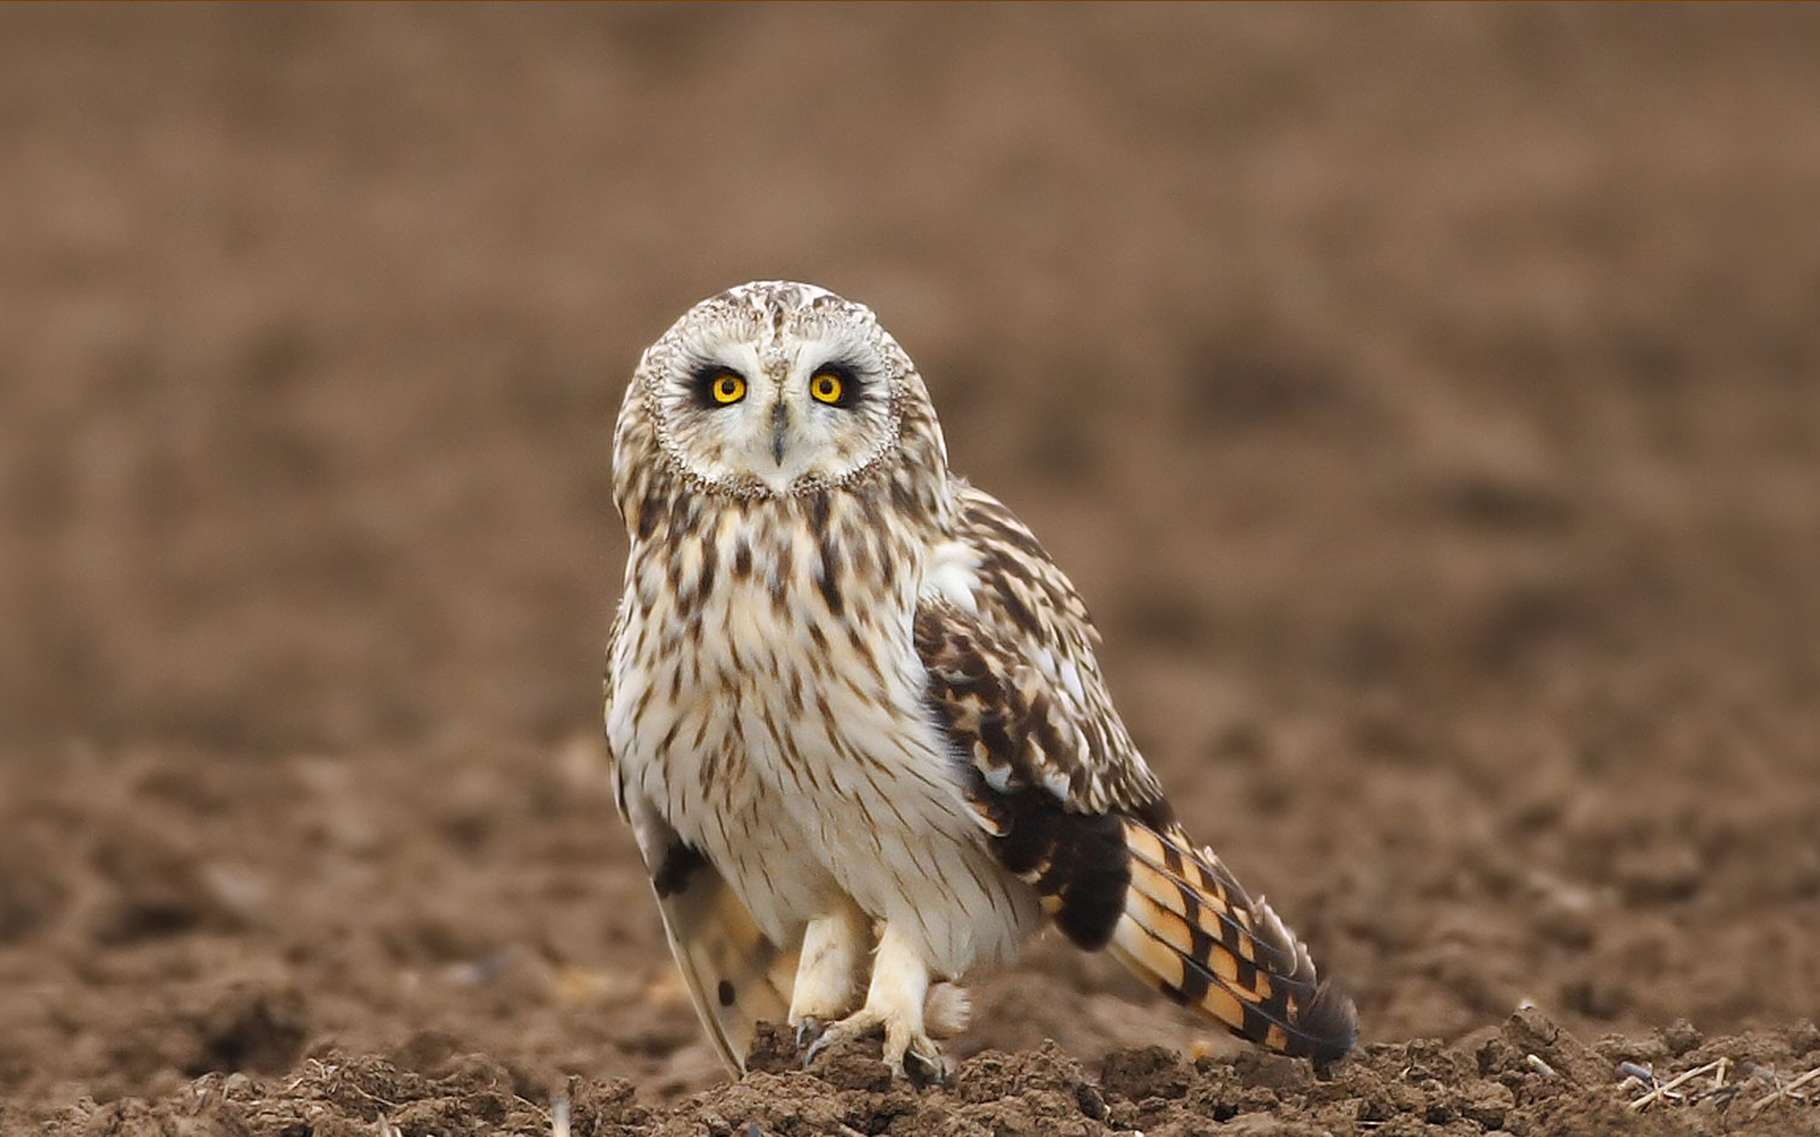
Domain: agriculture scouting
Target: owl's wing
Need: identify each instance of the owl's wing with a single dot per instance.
(735, 975)
(1072, 808)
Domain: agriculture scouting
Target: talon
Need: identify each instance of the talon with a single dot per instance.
(917, 1058)
(855, 1025)
(820, 1043)
(824, 1038)
(807, 1031)
(815, 1048)
(925, 1069)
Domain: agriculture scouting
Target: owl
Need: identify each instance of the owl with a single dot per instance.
(856, 721)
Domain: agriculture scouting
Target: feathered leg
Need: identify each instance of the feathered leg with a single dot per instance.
(829, 969)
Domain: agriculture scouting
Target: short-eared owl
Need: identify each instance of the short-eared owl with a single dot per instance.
(856, 720)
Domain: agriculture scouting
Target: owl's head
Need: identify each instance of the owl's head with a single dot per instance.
(774, 389)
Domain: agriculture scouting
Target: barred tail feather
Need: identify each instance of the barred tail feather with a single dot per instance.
(1188, 927)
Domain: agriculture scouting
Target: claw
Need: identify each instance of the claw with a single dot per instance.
(925, 1069)
(809, 1030)
(853, 1026)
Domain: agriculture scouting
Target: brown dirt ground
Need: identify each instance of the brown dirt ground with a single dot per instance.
(1425, 400)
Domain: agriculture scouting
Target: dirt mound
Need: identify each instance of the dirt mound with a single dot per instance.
(1529, 1077)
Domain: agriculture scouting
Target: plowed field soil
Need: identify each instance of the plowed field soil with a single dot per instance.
(1426, 401)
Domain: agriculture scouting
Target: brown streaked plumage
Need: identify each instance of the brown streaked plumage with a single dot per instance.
(857, 719)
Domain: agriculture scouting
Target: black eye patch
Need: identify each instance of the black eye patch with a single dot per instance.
(852, 384)
(705, 376)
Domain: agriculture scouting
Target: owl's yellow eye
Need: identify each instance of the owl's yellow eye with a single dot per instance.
(827, 387)
(728, 388)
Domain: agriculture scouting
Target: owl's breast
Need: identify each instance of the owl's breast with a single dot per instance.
(781, 719)
(753, 661)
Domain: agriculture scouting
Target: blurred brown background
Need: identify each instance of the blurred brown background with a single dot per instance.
(1424, 399)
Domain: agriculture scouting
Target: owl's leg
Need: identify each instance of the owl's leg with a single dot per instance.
(828, 970)
(894, 1000)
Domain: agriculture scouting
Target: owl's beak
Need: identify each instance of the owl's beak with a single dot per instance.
(780, 424)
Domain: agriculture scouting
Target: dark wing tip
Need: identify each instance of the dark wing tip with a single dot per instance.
(1329, 1024)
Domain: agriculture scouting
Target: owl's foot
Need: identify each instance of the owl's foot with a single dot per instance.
(946, 1014)
(894, 1000)
(856, 1025)
(908, 1051)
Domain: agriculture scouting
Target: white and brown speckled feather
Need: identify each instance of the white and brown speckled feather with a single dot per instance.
(1075, 744)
